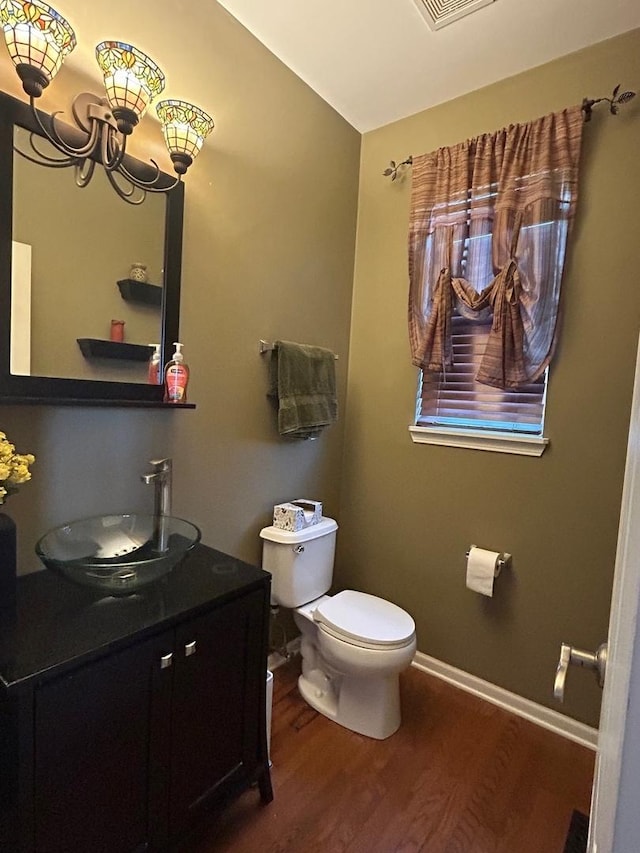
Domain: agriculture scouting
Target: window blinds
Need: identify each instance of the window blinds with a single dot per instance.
(453, 397)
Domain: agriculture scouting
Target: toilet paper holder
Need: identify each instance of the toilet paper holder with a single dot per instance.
(503, 561)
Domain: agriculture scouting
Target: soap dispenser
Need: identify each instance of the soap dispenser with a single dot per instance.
(154, 372)
(176, 377)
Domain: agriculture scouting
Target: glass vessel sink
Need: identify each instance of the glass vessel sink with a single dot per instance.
(117, 554)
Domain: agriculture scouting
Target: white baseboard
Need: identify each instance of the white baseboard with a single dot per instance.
(538, 714)
(554, 721)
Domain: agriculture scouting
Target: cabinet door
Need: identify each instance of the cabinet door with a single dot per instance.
(92, 731)
(216, 705)
(16, 779)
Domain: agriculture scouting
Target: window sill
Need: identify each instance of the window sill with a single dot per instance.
(522, 445)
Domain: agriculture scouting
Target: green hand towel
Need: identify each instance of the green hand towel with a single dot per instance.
(303, 380)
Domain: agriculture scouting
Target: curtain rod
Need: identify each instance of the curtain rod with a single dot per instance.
(617, 98)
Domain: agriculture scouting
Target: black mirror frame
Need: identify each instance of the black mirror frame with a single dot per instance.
(59, 391)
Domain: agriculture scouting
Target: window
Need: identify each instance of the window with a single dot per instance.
(453, 397)
(488, 233)
(454, 409)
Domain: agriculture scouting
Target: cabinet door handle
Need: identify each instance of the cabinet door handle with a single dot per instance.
(190, 649)
(166, 661)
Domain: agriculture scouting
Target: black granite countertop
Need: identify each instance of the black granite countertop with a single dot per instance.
(58, 625)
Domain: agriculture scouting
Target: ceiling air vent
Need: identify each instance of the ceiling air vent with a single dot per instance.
(439, 13)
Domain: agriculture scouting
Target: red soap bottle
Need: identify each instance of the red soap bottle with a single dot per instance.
(176, 378)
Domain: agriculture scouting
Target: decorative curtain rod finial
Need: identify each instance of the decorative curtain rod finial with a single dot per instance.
(394, 168)
(617, 98)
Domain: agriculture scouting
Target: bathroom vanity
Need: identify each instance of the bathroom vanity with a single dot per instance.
(123, 720)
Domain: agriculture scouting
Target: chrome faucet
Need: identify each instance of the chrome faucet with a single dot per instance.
(160, 477)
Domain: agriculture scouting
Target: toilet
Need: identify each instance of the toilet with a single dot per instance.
(354, 645)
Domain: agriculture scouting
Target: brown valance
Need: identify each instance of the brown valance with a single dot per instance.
(488, 231)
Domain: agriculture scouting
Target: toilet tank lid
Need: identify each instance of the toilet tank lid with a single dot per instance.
(290, 537)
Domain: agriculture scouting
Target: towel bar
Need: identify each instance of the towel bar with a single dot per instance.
(267, 346)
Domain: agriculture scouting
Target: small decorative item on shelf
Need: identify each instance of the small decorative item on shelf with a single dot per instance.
(138, 272)
(117, 330)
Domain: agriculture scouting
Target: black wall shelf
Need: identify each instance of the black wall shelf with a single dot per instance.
(108, 402)
(96, 348)
(140, 291)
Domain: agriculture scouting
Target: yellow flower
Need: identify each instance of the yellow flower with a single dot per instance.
(6, 451)
(20, 474)
(14, 467)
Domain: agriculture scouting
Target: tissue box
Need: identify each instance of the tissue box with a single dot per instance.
(296, 515)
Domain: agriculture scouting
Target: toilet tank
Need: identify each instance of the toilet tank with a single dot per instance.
(300, 563)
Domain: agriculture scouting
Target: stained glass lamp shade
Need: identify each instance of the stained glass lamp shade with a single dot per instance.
(38, 39)
(185, 128)
(131, 79)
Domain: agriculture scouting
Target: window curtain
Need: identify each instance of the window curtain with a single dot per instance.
(487, 238)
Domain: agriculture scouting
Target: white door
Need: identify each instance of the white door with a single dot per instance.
(615, 817)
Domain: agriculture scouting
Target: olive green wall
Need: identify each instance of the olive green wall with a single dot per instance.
(409, 512)
(269, 239)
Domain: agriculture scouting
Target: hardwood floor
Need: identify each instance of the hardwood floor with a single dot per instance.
(460, 776)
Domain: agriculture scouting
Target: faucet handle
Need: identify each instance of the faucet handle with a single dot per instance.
(161, 465)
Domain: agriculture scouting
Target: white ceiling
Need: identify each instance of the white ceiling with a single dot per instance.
(376, 61)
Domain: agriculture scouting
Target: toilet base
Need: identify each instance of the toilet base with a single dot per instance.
(368, 706)
(322, 700)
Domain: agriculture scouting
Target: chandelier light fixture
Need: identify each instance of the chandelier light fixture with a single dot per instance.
(38, 39)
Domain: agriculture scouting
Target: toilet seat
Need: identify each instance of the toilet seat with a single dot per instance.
(365, 620)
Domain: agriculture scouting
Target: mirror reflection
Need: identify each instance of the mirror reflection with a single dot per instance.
(70, 248)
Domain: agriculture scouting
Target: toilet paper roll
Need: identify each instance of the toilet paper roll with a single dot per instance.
(482, 569)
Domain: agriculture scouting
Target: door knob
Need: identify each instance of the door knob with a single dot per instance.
(568, 655)
(166, 660)
(190, 649)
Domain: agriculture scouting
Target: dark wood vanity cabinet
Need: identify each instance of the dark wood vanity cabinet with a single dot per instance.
(124, 752)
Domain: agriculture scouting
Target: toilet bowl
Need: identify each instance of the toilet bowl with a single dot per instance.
(354, 645)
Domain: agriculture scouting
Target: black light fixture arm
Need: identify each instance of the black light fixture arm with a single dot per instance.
(102, 137)
(111, 150)
(42, 159)
(149, 185)
(84, 172)
(52, 134)
(127, 193)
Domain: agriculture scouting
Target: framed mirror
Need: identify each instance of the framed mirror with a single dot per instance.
(79, 324)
